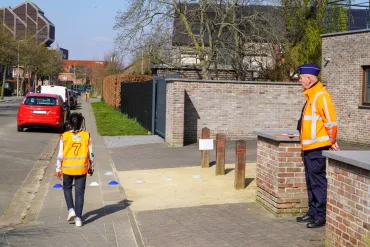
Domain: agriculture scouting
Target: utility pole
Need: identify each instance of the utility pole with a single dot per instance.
(18, 73)
(74, 74)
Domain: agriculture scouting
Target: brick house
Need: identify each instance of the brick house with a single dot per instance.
(346, 72)
(79, 71)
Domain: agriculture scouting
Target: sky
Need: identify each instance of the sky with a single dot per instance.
(84, 27)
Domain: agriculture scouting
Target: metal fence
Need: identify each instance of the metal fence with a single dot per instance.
(136, 101)
(347, 15)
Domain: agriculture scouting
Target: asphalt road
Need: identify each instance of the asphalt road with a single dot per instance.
(19, 151)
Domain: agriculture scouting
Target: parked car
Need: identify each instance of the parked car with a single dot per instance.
(42, 110)
(59, 90)
(73, 99)
(77, 92)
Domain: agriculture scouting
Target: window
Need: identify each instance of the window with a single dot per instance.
(366, 87)
(42, 101)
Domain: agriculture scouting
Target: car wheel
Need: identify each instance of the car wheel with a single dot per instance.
(61, 129)
(19, 128)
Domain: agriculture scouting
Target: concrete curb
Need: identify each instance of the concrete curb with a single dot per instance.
(10, 99)
(22, 201)
(131, 216)
(6, 100)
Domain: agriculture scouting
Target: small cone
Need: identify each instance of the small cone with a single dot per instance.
(58, 186)
(94, 184)
(113, 182)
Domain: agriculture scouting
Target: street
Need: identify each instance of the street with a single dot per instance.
(18, 151)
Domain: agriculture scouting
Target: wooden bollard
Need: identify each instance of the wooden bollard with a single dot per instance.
(204, 163)
(220, 154)
(240, 151)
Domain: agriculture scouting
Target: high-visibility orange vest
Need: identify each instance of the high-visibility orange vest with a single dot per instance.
(75, 153)
(319, 120)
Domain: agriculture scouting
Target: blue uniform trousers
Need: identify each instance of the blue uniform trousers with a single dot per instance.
(315, 171)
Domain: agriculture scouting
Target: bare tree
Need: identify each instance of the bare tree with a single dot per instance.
(201, 26)
(217, 33)
(115, 64)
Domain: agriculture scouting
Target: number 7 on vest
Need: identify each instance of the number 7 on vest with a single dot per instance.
(77, 148)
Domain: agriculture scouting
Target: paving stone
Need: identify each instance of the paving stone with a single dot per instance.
(211, 225)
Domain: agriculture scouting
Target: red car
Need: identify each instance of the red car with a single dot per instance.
(41, 110)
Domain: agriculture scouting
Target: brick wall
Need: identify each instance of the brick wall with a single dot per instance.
(112, 87)
(281, 184)
(344, 76)
(348, 207)
(232, 107)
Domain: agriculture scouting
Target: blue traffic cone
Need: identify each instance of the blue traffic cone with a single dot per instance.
(57, 186)
(113, 182)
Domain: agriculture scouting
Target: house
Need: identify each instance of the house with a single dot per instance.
(79, 71)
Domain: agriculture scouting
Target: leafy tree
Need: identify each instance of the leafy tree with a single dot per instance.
(305, 22)
(30, 58)
(8, 56)
(52, 64)
(38, 61)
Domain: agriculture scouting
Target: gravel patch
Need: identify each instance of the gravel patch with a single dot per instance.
(125, 141)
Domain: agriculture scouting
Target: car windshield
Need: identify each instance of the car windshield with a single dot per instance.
(47, 101)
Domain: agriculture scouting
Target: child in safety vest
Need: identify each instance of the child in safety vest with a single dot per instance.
(87, 96)
(74, 162)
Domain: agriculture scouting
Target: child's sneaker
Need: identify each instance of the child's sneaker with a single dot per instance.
(78, 221)
(71, 214)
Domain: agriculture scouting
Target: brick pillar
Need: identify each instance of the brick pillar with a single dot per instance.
(175, 106)
(348, 206)
(281, 184)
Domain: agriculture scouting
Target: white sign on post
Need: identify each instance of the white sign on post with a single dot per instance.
(205, 144)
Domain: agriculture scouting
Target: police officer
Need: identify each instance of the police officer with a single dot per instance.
(318, 131)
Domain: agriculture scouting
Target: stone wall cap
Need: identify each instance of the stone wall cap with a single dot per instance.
(272, 135)
(356, 158)
(171, 80)
(344, 33)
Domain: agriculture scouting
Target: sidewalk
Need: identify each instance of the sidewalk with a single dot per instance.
(106, 215)
(10, 98)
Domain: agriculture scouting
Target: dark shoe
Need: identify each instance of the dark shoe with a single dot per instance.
(316, 224)
(305, 218)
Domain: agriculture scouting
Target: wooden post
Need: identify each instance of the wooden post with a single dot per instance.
(220, 154)
(204, 163)
(240, 151)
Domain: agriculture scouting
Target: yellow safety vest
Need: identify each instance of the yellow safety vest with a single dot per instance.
(319, 120)
(75, 153)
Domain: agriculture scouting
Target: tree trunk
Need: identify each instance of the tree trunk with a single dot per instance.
(3, 86)
(205, 74)
(21, 87)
